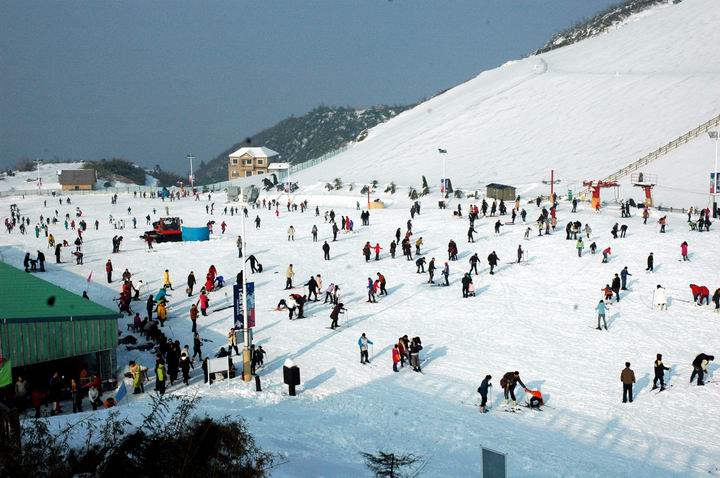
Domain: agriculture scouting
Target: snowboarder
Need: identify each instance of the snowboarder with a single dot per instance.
(659, 373)
(627, 377)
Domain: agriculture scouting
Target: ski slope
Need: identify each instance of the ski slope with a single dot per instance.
(536, 317)
(585, 111)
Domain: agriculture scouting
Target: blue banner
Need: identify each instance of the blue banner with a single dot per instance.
(238, 309)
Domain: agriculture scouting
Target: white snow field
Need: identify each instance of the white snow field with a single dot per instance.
(585, 111)
(536, 317)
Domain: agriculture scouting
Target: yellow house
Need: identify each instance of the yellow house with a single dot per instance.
(249, 162)
(77, 179)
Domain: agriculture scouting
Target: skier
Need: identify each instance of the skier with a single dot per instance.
(166, 280)
(312, 286)
(420, 263)
(498, 224)
(684, 251)
(446, 274)
(616, 287)
(257, 222)
(204, 302)
(700, 365)
(289, 274)
(382, 282)
(474, 260)
(371, 291)
(431, 271)
(650, 263)
(415, 348)
(377, 249)
(508, 382)
(492, 261)
(606, 253)
(601, 307)
(191, 281)
(363, 343)
(623, 278)
(471, 230)
(255, 265)
(239, 244)
(483, 391)
(418, 244)
(393, 248)
(185, 365)
(335, 315)
(659, 298)
(395, 357)
(109, 270)
(366, 251)
(659, 373)
(519, 253)
(627, 377)
(314, 233)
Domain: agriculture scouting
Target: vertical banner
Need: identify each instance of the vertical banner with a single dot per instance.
(238, 309)
(714, 183)
(444, 184)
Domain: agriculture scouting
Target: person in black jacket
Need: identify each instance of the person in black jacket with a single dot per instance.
(191, 283)
(493, 261)
(466, 281)
(483, 391)
(659, 373)
(326, 251)
(616, 287)
(650, 262)
(700, 367)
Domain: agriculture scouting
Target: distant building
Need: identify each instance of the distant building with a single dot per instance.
(500, 191)
(77, 179)
(247, 162)
(281, 171)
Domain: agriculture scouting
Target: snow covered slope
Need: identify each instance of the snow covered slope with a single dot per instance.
(585, 110)
(537, 318)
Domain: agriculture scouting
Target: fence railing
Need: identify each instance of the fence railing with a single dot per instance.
(304, 165)
(665, 149)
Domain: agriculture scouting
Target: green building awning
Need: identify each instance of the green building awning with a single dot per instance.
(40, 321)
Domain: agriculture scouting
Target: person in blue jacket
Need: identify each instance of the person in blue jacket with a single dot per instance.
(601, 314)
(363, 343)
(623, 278)
(483, 391)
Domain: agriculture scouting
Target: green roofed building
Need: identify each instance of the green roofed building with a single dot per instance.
(44, 326)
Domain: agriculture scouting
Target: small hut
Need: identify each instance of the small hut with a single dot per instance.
(500, 192)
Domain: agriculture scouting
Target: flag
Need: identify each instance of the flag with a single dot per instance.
(122, 391)
(5, 372)
(89, 277)
(442, 151)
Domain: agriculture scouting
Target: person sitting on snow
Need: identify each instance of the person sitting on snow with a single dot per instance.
(536, 398)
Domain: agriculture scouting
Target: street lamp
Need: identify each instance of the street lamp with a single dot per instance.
(443, 185)
(714, 135)
(192, 179)
(38, 162)
(246, 319)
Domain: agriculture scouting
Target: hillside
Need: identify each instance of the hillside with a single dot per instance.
(299, 139)
(585, 110)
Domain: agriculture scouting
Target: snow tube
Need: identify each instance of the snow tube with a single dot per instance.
(195, 233)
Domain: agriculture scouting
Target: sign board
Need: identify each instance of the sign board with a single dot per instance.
(238, 310)
(493, 464)
(221, 364)
(714, 183)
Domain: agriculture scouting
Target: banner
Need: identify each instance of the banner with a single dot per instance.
(444, 183)
(238, 309)
(121, 393)
(5, 372)
(714, 183)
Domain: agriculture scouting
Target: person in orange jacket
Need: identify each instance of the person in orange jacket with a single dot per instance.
(536, 398)
(395, 357)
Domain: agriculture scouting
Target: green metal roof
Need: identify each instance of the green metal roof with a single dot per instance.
(27, 298)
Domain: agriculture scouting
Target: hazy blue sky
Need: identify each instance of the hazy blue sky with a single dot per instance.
(152, 81)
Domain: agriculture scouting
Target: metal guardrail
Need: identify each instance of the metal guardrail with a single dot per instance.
(663, 150)
(304, 165)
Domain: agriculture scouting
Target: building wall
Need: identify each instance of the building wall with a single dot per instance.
(77, 187)
(242, 170)
(26, 343)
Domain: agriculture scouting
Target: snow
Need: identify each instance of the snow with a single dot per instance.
(537, 318)
(260, 152)
(586, 111)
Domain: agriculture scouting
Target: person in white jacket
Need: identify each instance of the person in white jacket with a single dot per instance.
(659, 297)
(291, 233)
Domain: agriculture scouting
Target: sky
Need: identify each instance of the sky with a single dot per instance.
(152, 81)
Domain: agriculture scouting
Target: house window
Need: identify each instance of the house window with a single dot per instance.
(234, 162)
(260, 162)
(260, 172)
(234, 173)
(248, 173)
(247, 162)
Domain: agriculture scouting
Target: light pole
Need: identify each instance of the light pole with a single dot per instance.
(246, 330)
(714, 135)
(38, 162)
(192, 179)
(443, 187)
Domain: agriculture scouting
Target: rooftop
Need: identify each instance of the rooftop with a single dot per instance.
(77, 176)
(26, 297)
(261, 152)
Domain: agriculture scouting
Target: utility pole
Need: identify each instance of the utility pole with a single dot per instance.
(714, 135)
(192, 178)
(38, 162)
(246, 330)
(443, 186)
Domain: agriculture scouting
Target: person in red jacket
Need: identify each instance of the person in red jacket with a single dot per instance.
(606, 252)
(700, 293)
(684, 251)
(109, 270)
(395, 358)
(377, 251)
(204, 301)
